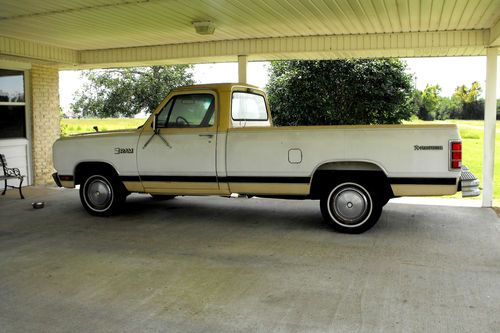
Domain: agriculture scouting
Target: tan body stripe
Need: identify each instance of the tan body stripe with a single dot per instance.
(263, 188)
(192, 188)
(400, 190)
(155, 185)
(133, 186)
(270, 189)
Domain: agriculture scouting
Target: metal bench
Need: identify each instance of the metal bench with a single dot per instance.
(10, 173)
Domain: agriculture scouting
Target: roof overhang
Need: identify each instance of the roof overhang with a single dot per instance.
(107, 33)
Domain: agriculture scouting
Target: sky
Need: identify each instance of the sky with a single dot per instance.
(12, 86)
(448, 73)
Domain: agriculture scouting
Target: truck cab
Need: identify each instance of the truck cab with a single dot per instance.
(181, 146)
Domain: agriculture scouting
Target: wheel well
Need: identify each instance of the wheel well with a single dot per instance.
(323, 179)
(85, 169)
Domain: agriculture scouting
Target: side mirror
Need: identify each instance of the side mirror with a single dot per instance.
(156, 129)
(156, 132)
(153, 124)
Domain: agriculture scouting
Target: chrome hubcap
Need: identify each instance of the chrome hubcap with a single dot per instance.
(350, 205)
(99, 194)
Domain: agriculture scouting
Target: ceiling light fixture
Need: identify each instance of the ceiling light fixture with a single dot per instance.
(204, 27)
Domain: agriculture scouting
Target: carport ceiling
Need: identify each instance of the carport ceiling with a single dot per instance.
(103, 24)
(97, 26)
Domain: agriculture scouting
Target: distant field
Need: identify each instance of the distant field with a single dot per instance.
(75, 126)
(470, 130)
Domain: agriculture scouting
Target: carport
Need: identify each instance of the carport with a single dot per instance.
(208, 265)
(37, 39)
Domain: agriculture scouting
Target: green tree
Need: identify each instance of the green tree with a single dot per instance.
(468, 95)
(429, 102)
(126, 92)
(344, 92)
(469, 105)
(446, 108)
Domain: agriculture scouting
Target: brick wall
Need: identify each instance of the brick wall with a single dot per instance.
(45, 121)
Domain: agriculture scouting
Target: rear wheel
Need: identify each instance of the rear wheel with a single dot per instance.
(101, 195)
(351, 207)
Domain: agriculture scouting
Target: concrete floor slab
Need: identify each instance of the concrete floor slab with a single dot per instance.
(222, 265)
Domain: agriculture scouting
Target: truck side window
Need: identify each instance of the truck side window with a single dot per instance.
(248, 107)
(196, 110)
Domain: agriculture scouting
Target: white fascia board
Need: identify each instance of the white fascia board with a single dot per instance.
(36, 52)
(6, 63)
(405, 44)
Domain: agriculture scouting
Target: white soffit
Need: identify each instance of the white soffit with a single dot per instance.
(94, 33)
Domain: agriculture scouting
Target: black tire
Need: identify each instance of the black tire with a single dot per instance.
(101, 195)
(123, 196)
(161, 197)
(351, 207)
(385, 200)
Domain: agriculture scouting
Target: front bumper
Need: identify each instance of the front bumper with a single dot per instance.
(469, 184)
(56, 179)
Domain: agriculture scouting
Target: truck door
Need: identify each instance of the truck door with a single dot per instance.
(180, 157)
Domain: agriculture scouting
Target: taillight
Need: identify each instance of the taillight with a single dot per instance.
(455, 154)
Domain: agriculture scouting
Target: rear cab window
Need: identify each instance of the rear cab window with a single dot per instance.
(248, 109)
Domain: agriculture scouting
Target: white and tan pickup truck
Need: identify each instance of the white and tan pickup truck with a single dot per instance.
(218, 140)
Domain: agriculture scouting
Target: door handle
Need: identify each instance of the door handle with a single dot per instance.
(206, 135)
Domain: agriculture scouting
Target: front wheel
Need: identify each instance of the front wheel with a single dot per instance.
(101, 195)
(350, 207)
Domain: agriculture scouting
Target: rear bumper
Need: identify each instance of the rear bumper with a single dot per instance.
(469, 184)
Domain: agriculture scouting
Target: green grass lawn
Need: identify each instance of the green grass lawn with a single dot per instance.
(471, 132)
(75, 126)
(472, 154)
(472, 135)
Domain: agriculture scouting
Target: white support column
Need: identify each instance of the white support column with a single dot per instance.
(490, 114)
(242, 68)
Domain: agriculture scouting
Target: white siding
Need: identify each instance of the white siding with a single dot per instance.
(16, 153)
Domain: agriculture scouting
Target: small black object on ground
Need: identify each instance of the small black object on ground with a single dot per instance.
(38, 205)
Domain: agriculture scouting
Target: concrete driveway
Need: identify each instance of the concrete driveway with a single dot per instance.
(223, 265)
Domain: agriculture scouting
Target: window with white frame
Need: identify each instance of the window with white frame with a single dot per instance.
(12, 104)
